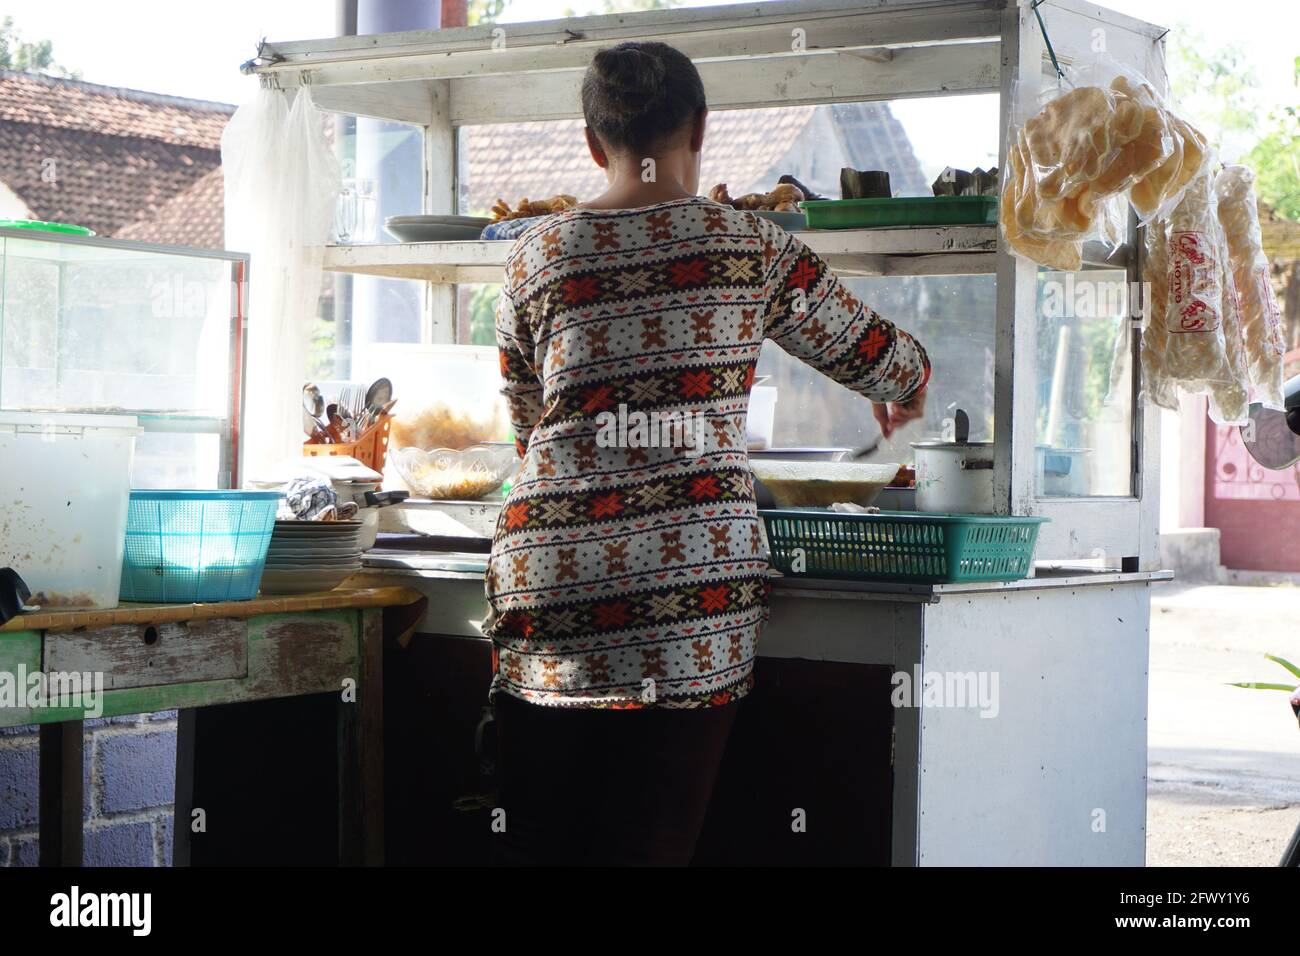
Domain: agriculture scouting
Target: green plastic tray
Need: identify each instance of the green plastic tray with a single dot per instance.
(903, 546)
(35, 225)
(904, 211)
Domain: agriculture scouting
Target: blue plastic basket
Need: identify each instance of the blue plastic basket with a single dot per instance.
(192, 547)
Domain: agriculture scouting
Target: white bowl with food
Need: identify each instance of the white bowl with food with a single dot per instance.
(448, 474)
(820, 484)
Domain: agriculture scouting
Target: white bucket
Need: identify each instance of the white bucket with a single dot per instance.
(65, 481)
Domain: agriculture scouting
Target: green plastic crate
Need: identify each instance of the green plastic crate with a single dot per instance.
(901, 546)
(901, 211)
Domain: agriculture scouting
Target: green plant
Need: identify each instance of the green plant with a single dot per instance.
(1263, 685)
(1276, 161)
(29, 56)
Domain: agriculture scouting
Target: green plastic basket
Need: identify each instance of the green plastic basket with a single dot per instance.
(900, 211)
(901, 546)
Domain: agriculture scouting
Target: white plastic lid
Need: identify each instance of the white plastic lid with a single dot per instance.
(337, 468)
(36, 420)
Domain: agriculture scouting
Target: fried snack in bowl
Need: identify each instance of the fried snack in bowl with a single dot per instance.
(439, 425)
(449, 474)
(528, 208)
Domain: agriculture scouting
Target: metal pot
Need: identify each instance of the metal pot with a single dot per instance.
(955, 477)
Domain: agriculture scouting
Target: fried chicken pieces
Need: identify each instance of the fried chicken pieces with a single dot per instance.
(784, 198)
(528, 208)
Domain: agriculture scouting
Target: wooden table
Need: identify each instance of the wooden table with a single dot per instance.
(184, 656)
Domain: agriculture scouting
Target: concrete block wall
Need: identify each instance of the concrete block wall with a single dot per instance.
(130, 782)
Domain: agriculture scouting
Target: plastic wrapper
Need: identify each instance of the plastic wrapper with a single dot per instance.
(1193, 341)
(1260, 314)
(1077, 162)
(1159, 386)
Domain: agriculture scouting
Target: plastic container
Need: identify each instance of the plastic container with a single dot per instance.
(903, 211)
(896, 546)
(36, 225)
(371, 449)
(190, 547)
(64, 482)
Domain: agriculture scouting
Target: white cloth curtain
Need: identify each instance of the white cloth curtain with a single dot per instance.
(282, 182)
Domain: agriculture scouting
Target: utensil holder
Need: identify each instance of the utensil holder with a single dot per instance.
(370, 449)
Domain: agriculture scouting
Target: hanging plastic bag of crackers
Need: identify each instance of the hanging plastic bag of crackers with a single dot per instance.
(1089, 146)
(1260, 314)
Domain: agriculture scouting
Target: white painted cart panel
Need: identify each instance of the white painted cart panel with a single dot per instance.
(1069, 742)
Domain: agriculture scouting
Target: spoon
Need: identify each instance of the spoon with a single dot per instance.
(349, 423)
(335, 426)
(311, 426)
(379, 393)
(313, 403)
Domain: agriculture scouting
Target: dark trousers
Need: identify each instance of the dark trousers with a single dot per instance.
(605, 787)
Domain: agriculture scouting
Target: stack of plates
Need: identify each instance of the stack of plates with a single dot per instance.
(436, 228)
(311, 556)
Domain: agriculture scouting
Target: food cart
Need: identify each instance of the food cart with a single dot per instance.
(1052, 767)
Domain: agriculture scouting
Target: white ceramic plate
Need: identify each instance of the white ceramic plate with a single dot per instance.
(323, 550)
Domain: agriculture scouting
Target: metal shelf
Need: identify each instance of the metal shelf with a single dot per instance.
(920, 251)
(948, 250)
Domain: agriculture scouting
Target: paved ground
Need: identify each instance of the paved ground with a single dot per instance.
(1223, 763)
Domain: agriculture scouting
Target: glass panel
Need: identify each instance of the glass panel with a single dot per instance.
(912, 140)
(476, 306)
(177, 460)
(952, 316)
(1084, 381)
(385, 161)
(94, 328)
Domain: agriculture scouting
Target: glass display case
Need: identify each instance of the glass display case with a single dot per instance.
(1046, 374)
(102, 326)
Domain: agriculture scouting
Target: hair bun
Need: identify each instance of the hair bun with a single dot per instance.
(630, 71)
(639, 92)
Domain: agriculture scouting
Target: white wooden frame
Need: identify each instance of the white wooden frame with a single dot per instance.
(851, 51)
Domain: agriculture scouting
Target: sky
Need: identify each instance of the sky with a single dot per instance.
(194, 49)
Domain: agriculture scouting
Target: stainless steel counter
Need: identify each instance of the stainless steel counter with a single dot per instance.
(471, 566)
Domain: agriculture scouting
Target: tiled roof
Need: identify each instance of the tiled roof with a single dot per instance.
(746, 149)
(146, 166)
(110, 110)
(99, 156)
(875, 139)
(537, 160)
(195, 217)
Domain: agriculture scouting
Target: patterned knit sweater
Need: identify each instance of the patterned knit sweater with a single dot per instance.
(628, 567)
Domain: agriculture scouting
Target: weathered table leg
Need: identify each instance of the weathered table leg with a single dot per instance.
(361, 753)
(61, 800)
